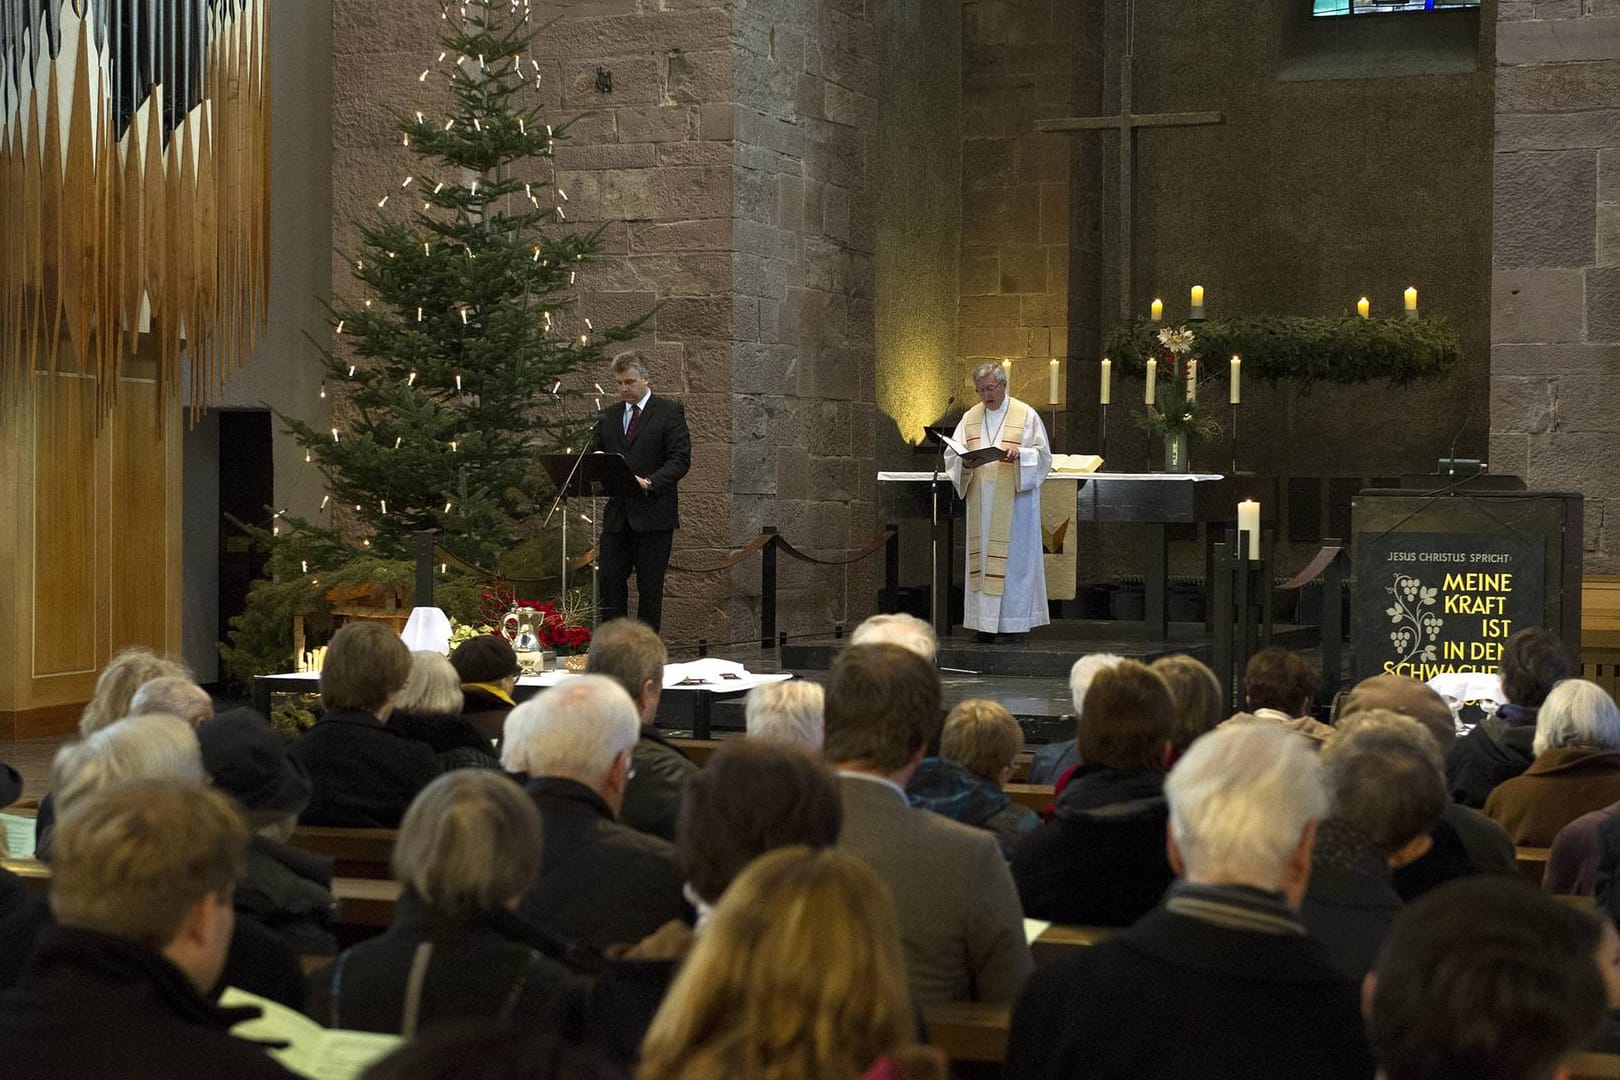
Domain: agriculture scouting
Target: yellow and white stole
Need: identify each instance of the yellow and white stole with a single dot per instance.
(987, 567)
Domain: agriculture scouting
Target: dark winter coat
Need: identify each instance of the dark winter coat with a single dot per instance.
(455, 740)
(1102, 861)
(652, 798)
(364, 775)
(960, 794)
(1498, 749)
(95, 1007)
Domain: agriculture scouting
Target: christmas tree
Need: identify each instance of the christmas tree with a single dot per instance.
(446, 370)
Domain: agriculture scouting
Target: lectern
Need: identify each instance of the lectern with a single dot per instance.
(586, 476)
(1441, 580)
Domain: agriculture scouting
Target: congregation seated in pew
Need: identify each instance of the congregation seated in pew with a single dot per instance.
(1501, 746)
(1221, 979)
(1056, 760)
(964, 782)
(118, 989)
(1278, 685)
(364, 775)
(1101, 861)
(632, 655)
(1387, 789)
(600, 882)
(799, 976)
(751, 797)
(1576, 768)
(961, 928)
(468, 848)
(428, 710)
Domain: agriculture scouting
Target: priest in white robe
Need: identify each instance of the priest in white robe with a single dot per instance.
(1005, 591)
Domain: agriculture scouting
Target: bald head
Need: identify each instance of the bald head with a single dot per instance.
(1406, 696)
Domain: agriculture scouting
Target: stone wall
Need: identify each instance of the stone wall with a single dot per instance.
(727, 169)
(1018, 65)
(1555, 311)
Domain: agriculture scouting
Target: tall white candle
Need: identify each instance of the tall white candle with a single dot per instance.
(1411, 298)
(1249, 525)
(1054, 393)
(1107, 392)
(1192, 379)
(1158, 309)
(1152, 381)
(1236, 377)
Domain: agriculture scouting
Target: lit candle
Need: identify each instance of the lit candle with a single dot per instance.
(1107, 382)
(1363, 307)
(1158, 310)
(1152, 380)
(1053, 390)
(1249, 526)
(1197, 302)
(1235, 379)
(1411, 302)
(1006, 368)
(1192, 379)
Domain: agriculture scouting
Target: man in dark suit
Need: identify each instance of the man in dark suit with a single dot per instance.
(637, 532)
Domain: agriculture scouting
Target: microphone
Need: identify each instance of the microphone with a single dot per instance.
(1451, 455)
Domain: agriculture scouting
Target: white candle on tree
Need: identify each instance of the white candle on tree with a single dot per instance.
(1236, 377)
(1158, 309)
(1363, 307)
(1152, 381)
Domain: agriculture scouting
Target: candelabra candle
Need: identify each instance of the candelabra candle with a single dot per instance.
(1152, 382)
(1105, 392)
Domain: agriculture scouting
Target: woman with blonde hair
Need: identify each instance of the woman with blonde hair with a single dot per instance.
(798, 977)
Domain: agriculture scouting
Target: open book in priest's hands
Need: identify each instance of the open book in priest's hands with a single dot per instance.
(974, 458)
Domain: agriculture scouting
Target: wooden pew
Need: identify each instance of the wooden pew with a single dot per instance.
(969, 1030)
(1035, 796)
(1532, 863)
(701, 750)
(360, 853)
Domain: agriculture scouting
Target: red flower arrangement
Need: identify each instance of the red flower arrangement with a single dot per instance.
(551, 627)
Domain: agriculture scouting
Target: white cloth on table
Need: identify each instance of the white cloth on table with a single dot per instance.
(1022, 604)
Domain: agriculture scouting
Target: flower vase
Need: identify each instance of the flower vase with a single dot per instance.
(1175, 452)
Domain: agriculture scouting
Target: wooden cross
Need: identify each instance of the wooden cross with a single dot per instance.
(1127, 123)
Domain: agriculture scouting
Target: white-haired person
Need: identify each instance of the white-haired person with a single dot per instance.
(1221, 979)
(787, 712)
(898, 628)
(468, 848)
(428, 710)
(165, 749)
(1055, 760)
(600, 882)
(1576, 768)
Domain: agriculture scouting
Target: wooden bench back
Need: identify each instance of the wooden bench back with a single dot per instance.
(1532, 863)
(360, 853)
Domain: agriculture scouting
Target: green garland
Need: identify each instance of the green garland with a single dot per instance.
(1304, 350)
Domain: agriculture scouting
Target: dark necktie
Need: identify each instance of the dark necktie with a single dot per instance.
(635, 421)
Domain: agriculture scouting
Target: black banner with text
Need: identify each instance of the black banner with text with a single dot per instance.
(1430, 603)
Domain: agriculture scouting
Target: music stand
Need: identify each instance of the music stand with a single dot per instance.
(939, 536)
(587, 476)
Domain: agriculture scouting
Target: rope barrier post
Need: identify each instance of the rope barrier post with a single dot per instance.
(767, 589)
(1332, 619)
(1220, 605)
(703, 647)
(424, 567)
(891, 563)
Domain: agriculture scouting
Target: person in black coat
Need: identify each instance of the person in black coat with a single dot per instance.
(600, 882)
(141, 880)
(638, 531)
(286, 890)
(1221, 980)
(1501, 746)
(363, 774)
(1387, 783)
(1101, 861)
(469, 846)
(430, 710)
(488, 668)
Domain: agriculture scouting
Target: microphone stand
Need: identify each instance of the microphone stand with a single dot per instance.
(562, 500)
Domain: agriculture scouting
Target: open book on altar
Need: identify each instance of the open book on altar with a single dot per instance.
(302, 1045)
(1075, 464)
